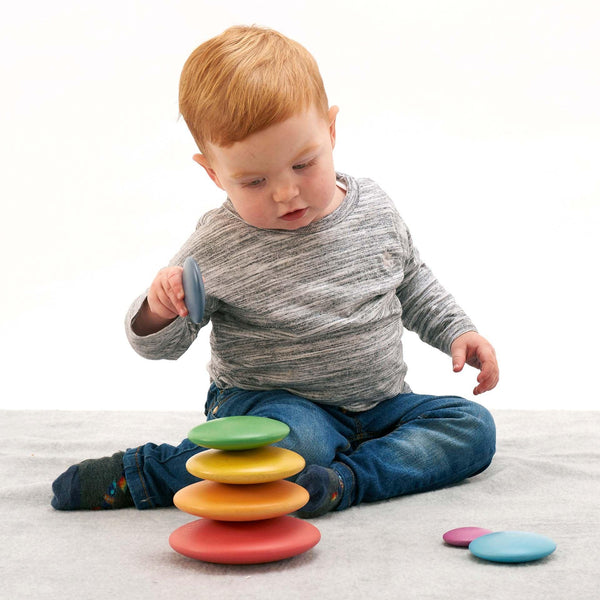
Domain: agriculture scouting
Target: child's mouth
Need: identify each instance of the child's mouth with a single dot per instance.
(294, 215)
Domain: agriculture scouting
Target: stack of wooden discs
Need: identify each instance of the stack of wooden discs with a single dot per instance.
(245, 500)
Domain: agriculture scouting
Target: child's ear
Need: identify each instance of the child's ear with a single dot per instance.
(203, 162)
(332, 115)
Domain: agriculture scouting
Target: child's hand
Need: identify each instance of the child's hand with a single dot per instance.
(163, 304)
(165, 298)
(473, 349)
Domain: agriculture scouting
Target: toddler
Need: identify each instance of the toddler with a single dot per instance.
(310, 276)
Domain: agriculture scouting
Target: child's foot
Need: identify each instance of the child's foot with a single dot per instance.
(93, 485)
(325, 487)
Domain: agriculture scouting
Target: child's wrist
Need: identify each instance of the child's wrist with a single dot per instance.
(147, 322)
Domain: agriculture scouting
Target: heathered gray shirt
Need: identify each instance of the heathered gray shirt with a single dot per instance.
(318, 311)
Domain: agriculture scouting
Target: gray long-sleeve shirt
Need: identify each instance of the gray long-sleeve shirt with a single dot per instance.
(318, 311)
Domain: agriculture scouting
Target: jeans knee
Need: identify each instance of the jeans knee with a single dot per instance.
(485, 432)
(313, 451)
(312, 434)
(490, 429)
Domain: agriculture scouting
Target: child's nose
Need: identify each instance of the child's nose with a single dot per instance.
(285, 191)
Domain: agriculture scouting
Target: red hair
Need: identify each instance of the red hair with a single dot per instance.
(243, 81)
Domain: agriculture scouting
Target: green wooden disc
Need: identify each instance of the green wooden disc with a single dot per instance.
(238, 433)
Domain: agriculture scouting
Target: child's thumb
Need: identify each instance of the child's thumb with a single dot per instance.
(459, 357)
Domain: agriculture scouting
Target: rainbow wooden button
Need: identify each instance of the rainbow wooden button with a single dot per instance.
(512, 546)
(463, 536)
(238, 433)
(227, 502)
(258, 465)
(249, 542)
(193, 289)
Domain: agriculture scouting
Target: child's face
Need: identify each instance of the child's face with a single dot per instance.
(281, 177)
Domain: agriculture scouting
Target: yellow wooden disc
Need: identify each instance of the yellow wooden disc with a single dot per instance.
(258, 465)
(226, 502)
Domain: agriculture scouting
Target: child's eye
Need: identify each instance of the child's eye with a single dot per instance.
(254, 183)
(303, 165)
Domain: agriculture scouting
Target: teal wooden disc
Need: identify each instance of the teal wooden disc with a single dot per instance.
(238, 433)
(512, 546)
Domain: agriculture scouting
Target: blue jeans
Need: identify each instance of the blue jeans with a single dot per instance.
(407, 444)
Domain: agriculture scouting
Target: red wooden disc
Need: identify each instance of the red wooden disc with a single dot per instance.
(245, 542)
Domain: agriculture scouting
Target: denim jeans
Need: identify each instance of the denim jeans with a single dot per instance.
(407, 444)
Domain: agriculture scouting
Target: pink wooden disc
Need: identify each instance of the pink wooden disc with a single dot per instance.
(463, 536)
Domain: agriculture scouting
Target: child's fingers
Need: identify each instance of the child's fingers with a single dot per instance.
(174, 288)
(472, 349)
(175, 279)
(488, 377)
(163, 298)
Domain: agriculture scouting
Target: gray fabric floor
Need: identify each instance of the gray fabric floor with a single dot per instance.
(545, 478)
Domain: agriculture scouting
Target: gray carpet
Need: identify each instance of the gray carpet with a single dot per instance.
(545, 478)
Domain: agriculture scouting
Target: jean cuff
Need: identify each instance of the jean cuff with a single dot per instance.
(346, 474)
(135, 479)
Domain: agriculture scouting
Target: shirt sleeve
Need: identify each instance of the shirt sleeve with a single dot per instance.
(169, 343)
(427, 308)
(172, 341)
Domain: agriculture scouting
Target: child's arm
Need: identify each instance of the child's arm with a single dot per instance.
(163, 304)
(432, 312)
(475, 350)
(152, 323)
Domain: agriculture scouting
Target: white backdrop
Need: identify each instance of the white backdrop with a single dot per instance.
(480, 119)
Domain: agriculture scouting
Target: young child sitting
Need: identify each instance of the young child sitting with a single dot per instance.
(310, 277)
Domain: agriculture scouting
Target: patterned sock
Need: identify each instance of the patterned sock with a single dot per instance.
(95, 484)
(325, 487)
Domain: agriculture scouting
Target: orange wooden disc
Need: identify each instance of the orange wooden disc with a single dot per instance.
(228, 502)
(249, 542)
(258, 465)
